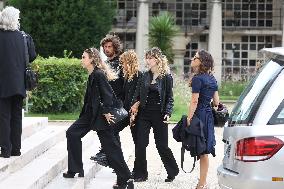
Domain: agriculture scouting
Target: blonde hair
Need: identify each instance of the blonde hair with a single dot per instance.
(130, 64)
(99, 63)
(9, 19)
(162, 61)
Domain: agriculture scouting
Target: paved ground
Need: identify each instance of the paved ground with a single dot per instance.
(105, 178)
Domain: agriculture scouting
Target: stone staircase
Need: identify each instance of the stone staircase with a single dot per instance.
(44, 158)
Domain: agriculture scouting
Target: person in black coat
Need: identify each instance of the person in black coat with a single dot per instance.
(12, 80)
(98, 102)
(112, 49)
(131, 75)
(154, 100)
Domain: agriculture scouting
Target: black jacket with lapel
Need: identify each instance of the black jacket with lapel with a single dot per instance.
(165, 87)
(98, 99)
(12, 62)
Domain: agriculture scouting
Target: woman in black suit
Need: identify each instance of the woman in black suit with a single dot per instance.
(131, 74)
(12, 80)
(95, 115)
(154, 98)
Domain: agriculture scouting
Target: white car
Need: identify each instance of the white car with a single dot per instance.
(254, 133)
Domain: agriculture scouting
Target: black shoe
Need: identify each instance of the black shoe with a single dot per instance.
(4, 155)
(132, 175)
(103, 162)
(140, 179)
(72, 174)
(99, 155)
(128, 185)
(170, 179)
(15, 153)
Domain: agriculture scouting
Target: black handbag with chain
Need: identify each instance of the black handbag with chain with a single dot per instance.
(31, 78)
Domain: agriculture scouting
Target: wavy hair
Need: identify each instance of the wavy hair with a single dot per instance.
(162, 61)
(9, 19)
(115, 42)
(100, 64)
(130, 64)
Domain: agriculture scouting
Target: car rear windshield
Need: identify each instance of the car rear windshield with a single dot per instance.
(278, 116)
(250, 99)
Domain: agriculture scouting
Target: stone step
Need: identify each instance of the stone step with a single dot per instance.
(105, 178)
(32, 147)
(90, 170)
(42, 170)
(32, 125)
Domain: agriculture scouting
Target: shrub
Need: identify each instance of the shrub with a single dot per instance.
(62, 83)
(57, 25)
(232, 88)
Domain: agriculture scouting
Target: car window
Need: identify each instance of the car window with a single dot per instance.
(278, 116)
(250, 99)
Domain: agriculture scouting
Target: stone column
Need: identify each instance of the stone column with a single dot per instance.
(282, 14)
(215, 38)
(1, 4)
(179, 48)
(142, 28)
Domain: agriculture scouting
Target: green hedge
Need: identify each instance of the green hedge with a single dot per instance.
(62, 83)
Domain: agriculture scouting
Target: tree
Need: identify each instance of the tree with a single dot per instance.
(72, 25)
(162, 29)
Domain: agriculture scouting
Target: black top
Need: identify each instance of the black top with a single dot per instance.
(117, 85)
(129, 90)
(12, 62)
(165, 88)
(153, 99)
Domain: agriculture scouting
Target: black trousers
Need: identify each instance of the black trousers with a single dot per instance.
(120, 126)
(11, 124)
(146, 120)
(112, 149)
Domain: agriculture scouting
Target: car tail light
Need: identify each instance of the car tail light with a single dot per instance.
(257, 148)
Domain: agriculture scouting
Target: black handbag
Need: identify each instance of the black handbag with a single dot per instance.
(119, 115)
(31, 77)
(220, 115)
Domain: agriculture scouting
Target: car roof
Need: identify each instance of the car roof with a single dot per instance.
(275, 50)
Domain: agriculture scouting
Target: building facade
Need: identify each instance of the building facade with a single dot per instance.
(247, 27)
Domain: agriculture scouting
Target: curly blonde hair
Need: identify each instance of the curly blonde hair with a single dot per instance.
(130, 64)
(99, 63)
(162, 61)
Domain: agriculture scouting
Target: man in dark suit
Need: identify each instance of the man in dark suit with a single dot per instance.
(12, 80)
(112, 49)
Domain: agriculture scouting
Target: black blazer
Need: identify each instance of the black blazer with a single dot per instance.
(98, 99)
(165, 87)
(12, 62)
(129, 88)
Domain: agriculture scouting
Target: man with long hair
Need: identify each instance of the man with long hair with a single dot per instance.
(112, 49)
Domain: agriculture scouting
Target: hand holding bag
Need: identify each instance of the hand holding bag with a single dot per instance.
(31, 78)
(119, 115)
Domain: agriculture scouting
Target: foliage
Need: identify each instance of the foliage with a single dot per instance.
(61, 86)
(162, 29)
(59, 116)
(182, 96)
(232, 88)
(57, 25)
